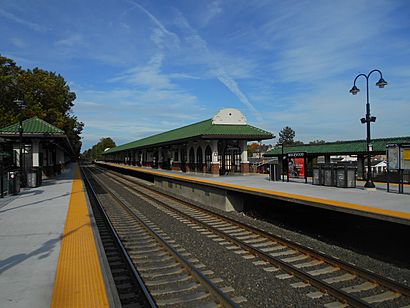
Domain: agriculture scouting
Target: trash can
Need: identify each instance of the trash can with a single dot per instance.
(14, 182)
(316, 175)
(341, 176)
(4, 184)
(39, 176)
(346, 176)
(351, 176)
(321, 175)
(32, 178)
(274, 172)
(329, 177)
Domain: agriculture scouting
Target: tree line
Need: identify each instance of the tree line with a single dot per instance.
(94, 153)
(46, 95)
(286, 137)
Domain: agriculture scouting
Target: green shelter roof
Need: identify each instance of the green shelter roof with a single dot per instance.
(33, 125)
(204, 129)
(338, 148)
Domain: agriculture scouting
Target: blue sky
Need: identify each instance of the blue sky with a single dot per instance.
(143, 67)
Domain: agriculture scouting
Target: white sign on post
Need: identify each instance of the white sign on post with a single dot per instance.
(393, 154)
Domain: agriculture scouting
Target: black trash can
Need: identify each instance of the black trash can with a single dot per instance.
(274, 172)
(316, 179)
(346, 176)
(31, 178)
(341, 176)
(38, 176)
(4, 184)
(329, 175)
(14, 182)
(351, 173)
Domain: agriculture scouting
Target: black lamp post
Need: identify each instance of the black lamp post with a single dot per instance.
(21, 104)
(368, 119)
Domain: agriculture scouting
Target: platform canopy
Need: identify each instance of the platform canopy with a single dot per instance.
(228, 123)
(36, 128)
(353, 147)
(33, 126)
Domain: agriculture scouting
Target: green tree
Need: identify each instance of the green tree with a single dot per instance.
(94, 153)
(46, 94)
(286, 136)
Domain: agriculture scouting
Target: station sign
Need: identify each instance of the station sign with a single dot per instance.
(297, 154)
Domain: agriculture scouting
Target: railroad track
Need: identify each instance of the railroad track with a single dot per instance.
(168, 271)
(131, 292)
(347, 283)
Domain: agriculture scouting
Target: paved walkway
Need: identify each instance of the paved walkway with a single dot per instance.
(378, 203)
(31, 226)
(48, 252)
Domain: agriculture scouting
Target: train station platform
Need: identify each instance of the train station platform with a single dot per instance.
(48, 252)
(379, 204)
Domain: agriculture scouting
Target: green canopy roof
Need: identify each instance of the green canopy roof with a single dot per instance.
(338, 148)
(33, 125)
(204, 130)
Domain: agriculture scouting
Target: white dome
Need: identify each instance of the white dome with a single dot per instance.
(229, 116)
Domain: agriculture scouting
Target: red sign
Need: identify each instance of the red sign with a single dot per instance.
(296, 167)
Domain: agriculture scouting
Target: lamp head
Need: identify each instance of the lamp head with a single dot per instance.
(381, 83)
(363, 120)
(354, 90)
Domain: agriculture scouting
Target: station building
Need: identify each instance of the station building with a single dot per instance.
(217, 146)
(43, 146)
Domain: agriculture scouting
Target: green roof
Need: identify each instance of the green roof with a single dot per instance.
(204, 129)
(33, 125)
(338, 148)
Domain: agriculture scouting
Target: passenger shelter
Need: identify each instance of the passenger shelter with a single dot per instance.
(43, 146)
(215, 146)
(321, 153)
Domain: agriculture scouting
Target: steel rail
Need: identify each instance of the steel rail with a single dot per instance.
(124, 252)
(211, 287)
(363, 273)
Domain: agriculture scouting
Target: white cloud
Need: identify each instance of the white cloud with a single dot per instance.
(128, 115)
(312, 44)
(216, 67)
(72, 40)
(32, 25)
(212, 10)
(161, 35)
(18, 42)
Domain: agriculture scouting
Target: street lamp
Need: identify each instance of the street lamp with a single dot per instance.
(368, 119)
(21, 104)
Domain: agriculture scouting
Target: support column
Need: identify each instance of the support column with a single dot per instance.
(35, 147)
(160, 158)
(188, 161)
(215, 158)
(244, 156)
(176, 159)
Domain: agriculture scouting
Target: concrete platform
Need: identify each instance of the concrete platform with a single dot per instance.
(378, 204)
(33, 226)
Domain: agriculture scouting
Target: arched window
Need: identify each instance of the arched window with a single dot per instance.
(199, 162)
(208, 158)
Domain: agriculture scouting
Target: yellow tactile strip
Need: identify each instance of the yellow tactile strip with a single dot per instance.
(328, 202)
(79, 281)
